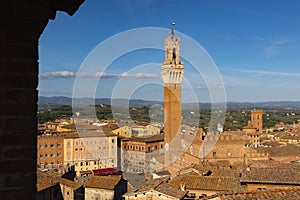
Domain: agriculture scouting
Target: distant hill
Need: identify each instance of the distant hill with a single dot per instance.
(60, 100)
(289, 105)
(88, 101)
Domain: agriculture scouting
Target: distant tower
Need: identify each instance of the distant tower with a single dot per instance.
(172, 72)
(256, 120)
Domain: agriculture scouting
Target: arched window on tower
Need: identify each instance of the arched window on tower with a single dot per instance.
(228, 154)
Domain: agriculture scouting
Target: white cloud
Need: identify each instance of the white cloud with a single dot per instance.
(257, 72)
(59, 74)
(67, 74)
(258, 38)
(274, 47)
(279, 42)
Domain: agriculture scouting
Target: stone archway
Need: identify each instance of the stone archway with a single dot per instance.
(21, 24)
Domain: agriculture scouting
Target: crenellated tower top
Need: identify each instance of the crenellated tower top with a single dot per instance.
(172, 67)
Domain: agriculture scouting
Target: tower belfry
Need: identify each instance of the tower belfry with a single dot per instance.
(172, 72)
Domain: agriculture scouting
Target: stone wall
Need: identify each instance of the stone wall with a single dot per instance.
(21, 24)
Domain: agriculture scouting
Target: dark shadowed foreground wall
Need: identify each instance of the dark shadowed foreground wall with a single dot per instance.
(21, 24)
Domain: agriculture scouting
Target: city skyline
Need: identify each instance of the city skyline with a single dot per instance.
(254, 46)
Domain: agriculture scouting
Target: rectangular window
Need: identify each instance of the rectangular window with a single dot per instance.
(68, 143)
(214, 154)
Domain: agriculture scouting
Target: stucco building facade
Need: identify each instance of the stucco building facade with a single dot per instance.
(140, 155)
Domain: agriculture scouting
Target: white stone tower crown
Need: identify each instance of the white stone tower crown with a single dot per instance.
(172, 67)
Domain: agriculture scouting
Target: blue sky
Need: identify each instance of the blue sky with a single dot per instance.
(255, 45)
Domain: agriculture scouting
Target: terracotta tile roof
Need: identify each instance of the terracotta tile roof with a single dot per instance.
(72, 184)
(113, 126)
(170, 190)
(197, 182)
(214, 170)
(151, 184)
(154, 138)
(296, 131)
(69, 126)
(162, 186)
(135, 180)
(87, 134)
(263, 163)
(284, 194)
(274, 164)
(46, 180)
(103, 182)
(267, 143)
(272, 175)
(280, 151)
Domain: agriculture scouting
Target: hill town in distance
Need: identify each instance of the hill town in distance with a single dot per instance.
(254, 154)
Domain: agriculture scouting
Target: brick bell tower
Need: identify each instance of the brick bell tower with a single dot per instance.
(257, 120)
(172, 72)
